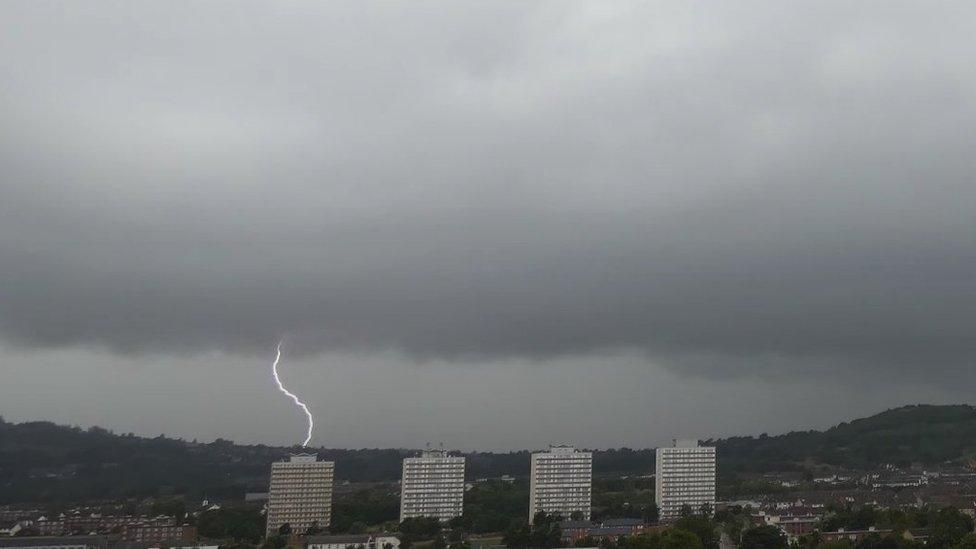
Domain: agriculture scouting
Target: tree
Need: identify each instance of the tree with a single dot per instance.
(542, 517)
(516, 536)
(172, 507)
(369, 507)
(764, 537)
(421, 527)
(875, 541)
(239, 524)
(643, 541)
(576, 515)
(493, 505)
(948, 527)
(811, 540)
(702, 526)
(732, 522)
(545, 532)
(967, 542)
(676, 538)
(651, 513)
(274, 542)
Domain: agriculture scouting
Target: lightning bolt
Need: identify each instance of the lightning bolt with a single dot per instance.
(299, 403)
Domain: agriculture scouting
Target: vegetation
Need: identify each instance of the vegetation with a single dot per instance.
(702, 526)
(243, 524)
(624, 498)
(763, 537)
(413, 530)
(543, 533)
(43, 462)
(922, 434)
(356, 513)
(420, 527)
(733, 521)
(672, 538)
(946, 526)
(493, 506)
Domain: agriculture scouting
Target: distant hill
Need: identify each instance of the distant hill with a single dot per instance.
(922, 434)
(41, 461)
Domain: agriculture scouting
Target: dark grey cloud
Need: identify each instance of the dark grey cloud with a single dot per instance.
(379, 400)
(718, 187)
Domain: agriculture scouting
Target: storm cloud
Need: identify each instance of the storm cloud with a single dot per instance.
(716, 187)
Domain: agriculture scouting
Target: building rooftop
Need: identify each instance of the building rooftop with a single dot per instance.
(610, 531)
(611, 523)
(346, 538)
(685, 443)
(43, 541)
(435, 454)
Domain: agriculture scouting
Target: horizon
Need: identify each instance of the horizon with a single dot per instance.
(312, 448)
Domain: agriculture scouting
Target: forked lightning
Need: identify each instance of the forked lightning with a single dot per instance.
(299, 403)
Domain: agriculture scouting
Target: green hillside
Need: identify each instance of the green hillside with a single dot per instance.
(922, 434)
(40, 461)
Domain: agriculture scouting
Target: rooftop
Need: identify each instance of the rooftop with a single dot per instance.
(42, 541)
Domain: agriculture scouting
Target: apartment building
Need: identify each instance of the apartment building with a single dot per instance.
(300, 493)
(432, 486)
(685, 475)
(561, 482)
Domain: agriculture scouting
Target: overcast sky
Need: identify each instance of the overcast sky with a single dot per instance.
(494, 225)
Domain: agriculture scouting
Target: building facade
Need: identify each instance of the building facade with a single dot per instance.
(300, 493)
(132, 528)
(685, 475)
(364, 541)
(432, 485)
(53, 542)
(561, 482)
(155, 532)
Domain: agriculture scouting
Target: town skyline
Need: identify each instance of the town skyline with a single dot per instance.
(518, 274)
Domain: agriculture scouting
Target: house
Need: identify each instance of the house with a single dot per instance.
(601, 533)
(636, 526)
(50, 542)
(791, 523)
(573, 530)
(852, 535)
(363, 541)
